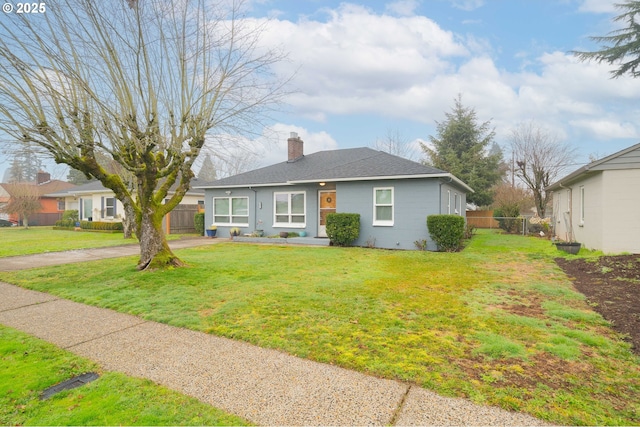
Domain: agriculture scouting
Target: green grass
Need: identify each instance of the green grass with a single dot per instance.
(33, 240)
(29, 366)
(498, 323)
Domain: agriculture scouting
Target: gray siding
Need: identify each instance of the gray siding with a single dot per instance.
(261, 209)
(414, 200)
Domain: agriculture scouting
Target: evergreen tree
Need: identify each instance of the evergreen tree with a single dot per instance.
(620, 46)
(462, 148)
(207, 171)
(25, 166)
(76, 177)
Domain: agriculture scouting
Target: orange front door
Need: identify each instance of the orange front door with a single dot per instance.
(327, 205)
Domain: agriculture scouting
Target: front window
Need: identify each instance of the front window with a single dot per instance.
(290, 209)
(110, 207)
(231, 211)
(456, 204)
(61, 204)
(383, 206)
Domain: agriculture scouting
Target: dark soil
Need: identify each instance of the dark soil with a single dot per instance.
(612, 286)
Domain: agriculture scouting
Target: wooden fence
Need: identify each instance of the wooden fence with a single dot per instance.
(482, 219)
(44, 218)
(180, 219)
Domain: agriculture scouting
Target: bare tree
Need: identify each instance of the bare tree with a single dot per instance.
(141, 82)
(395, 143)
(24, 201)
(540, 159)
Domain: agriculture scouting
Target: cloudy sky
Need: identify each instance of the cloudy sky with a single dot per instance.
(367, 68)
(370, 67)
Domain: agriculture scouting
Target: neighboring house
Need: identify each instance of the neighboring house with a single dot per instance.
(598, 205)
(393, 196)
(50, 207)
(4, 199)
(94, 202)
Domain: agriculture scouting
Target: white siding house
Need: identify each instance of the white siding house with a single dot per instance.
(599, 204)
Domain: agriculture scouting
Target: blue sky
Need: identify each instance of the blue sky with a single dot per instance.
(370, 67)
(365, 69)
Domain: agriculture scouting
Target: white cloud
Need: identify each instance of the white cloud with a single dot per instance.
(409, 68)
(402, 7)
(467, 5)
(598, 6)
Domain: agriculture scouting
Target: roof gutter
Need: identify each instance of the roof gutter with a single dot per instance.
(451, 177)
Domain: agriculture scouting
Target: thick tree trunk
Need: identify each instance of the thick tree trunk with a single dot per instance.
(128, 221)
(154, 249)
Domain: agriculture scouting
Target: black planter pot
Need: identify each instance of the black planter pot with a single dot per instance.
(569, 247)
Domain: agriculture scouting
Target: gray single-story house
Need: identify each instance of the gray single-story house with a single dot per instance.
(393, 196)
(598, 205)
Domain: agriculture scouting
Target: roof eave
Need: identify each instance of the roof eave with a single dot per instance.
(387, 177)
(349, 179)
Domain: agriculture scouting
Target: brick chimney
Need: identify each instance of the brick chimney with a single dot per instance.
(42, 177)
(296, 147)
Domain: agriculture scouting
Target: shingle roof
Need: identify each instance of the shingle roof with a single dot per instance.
(632, 153)
(97, 187)
(335, 165)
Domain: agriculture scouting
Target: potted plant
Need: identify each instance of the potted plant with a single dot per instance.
(235, 231)
(569, 247)
(211, 231)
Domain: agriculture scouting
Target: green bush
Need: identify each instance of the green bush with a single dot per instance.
(507, 217)
(103, 226)
(343, 228)
(198, 223)
(65, 223)
(70, 215)
(447, 231)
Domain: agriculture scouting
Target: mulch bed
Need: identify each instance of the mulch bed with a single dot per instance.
(612, 286)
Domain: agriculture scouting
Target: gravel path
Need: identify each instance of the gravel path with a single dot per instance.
(265, 386)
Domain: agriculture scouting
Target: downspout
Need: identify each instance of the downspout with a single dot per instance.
(570, 231)
(255, 208)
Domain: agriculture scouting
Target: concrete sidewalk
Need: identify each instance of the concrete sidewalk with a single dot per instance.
(267, 387)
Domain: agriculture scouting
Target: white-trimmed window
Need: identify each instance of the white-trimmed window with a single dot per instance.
(448, 201)
(233, 211)
(290, 209)
(456, 204)
(383, 206)
(108, 207)
(582, 204)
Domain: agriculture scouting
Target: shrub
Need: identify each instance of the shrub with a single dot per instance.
(343, 228)
(65, 223)
(507, 217)
(71, 215)
(104, 226)
(446, 231)
(198, 223)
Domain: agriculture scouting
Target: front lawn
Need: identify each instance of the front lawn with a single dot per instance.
(498, 323)
(33, 240)
(29, 366)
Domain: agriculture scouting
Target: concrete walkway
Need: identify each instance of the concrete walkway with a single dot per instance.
(267, 387)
